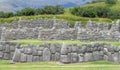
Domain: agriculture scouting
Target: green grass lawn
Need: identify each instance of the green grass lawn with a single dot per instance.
(33, 41)
(98, 65)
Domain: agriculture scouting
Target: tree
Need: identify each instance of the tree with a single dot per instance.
(102, 11)
(2, 14)
(111, 1)
(59, 9)
(114, 14)
(28, 11)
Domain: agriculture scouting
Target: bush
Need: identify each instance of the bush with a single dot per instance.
(110, 1)
(1, 14)
(28, 11)
(91, 11)
(6, 14)
(114, 14)
(102, 11)
(53, 9)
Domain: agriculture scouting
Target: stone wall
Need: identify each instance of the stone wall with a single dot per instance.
(58, 34)
(7, 50)
(24, 33)
(67, 53)
(52, 29)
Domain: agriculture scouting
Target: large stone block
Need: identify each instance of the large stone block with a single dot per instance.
(65, 59)
(46, 54)
(27, 50)
(29, 58)
(88, 57)
(6, 56)
(52, 49)
(40, 53)
(96, 56)
(57, 56)
(64, 49)
(35, 58)
(17, 55)
(1, 47)
(7, 49)
(23, 57)
(74, 57)
(80, 57)
(1, 55)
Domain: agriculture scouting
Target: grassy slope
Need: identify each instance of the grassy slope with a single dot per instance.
(98, 65)
(33, 41)
(66, 16)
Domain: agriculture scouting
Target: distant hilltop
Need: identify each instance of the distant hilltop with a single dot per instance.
(14, 5)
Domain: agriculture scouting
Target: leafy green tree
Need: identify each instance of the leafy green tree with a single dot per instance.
(111, 1)
(102, 11)
(18, 13)
(2, 14)
(59, 9)
(8, 14)
(49, 10)
(114, 14)
(28, 11)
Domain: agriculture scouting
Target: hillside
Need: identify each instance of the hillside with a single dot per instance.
(68, 16)
(14, 5)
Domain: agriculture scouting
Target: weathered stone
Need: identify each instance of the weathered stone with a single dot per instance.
(1, 55)
(46, 54)
(52, 49)
(34, 51)
(58, 47)
(57, 56)
(74, 57)
(40, 58)
(6, 56)
(27, 50)
(105, 57)
(115, 57)
(80, 58)
(23, 57)
(12, 48)
(88, 57)
(29, 58)
(65, 59)
(40, 53)
(96, 55)
(53, 57)
(83, 49)
(35, 58)
(64, 49)
(16, 56)
(1, 47)
(74, 48)
(7, 49)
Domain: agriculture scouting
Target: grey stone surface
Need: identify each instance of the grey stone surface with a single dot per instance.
(23, 57)
(65, 53)
(80, 57)
(16, 56)
(65, 59)
(57, 56)
(64, 49)
(74, 57)
(46, 54)
(88, 57)
(29, 58)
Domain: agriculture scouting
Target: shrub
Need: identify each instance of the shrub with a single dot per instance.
(90, 11)
(114, 14)
(102, 11)
(28, 11)
(110, 1)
